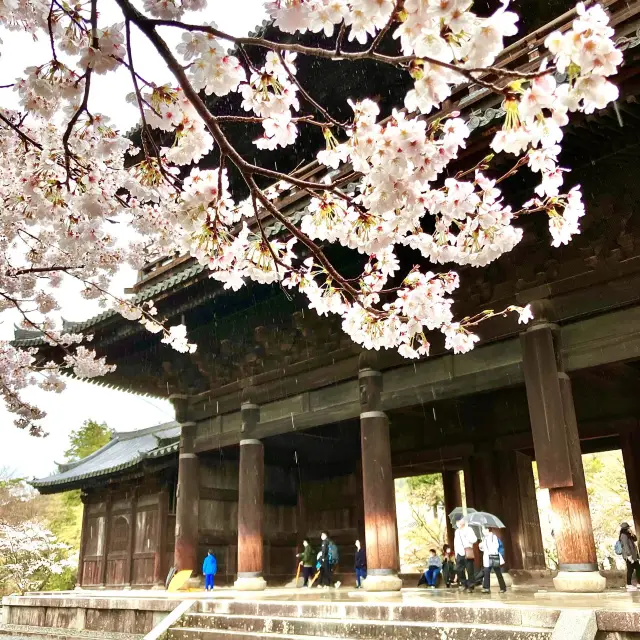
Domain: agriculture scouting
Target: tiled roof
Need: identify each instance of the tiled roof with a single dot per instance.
(125, 450)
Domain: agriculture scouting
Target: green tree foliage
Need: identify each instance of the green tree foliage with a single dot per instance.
(87, 439)
(421, 518)
(608, 501)
(426, 491)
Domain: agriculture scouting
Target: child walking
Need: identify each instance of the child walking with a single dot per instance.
(209, 569)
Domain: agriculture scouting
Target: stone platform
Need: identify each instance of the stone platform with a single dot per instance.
(301, 614)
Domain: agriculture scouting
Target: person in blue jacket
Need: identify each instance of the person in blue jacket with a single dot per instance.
(209, 569)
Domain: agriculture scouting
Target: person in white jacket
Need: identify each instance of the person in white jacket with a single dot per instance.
(463, 543)
(491, 559)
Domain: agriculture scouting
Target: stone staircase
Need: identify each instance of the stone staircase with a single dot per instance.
(271, 620)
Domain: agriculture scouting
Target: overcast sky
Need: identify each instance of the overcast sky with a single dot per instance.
(35, 457)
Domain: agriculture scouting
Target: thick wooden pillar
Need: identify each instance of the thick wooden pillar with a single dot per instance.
(188, 491)
(251, 516)
(631, 458)
(381, 532)
(250, 503)
(524, 548)
(557, 448)
(573, 530)
(452, 499)
(159, 569)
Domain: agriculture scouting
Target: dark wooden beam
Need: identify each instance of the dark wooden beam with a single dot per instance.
(132, 536)
(107, 535)
(159, 569)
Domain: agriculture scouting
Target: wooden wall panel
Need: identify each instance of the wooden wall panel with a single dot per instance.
(216, 515)
(117, 570)
(146, 531)
(91, 571)
(95, 535)
(143, 565)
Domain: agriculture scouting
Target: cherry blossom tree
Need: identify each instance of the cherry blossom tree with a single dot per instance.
(68, 178)
(30, 555)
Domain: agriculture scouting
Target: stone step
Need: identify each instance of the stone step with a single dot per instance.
(424, 631)
(24, 632)
(180, 633)
(538, 617)
(199, 625)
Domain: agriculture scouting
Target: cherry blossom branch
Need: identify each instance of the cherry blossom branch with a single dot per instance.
(340, 38)
(85, 99)
(316, 105)
(146, 135)
(352, 56)
(50, 29)
(20, 272)
(393, 17)
(27, 139)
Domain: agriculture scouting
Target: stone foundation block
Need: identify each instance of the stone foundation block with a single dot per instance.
(580, 582)
(578, 624)
(382, 583)
(257, 583)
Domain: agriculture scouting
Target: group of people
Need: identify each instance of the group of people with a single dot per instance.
(323, 563)
(459, 566)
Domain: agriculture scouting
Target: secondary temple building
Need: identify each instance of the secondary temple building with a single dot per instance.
(285, 428)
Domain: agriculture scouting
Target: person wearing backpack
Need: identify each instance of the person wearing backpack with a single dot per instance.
(328, 560)
(629, 551)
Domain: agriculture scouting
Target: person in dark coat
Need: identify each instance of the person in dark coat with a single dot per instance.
(327, 563)
(360, 565)
(209, 570)
(323, 557)
(628, 540)
(307, 560)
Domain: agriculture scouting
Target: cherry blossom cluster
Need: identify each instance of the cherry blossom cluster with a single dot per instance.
(168, 110)
(31, 554)
(271, 95)
(69, 181)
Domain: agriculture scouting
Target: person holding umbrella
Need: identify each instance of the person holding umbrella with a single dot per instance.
(491, 559)
(463, 542)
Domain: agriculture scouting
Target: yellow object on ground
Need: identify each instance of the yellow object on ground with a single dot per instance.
(179, 580)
